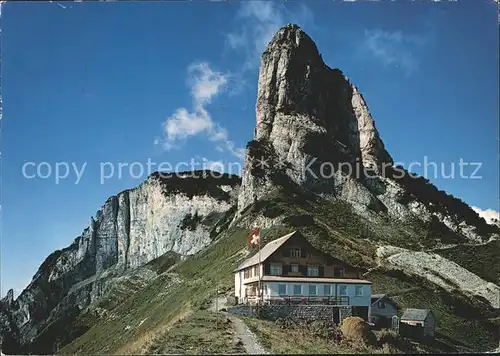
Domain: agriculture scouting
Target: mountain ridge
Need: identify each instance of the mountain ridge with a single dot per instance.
(117, 240)
(304, 111)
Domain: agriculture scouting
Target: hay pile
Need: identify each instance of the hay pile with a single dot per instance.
(356, 329)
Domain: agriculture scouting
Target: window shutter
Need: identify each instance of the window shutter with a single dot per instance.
(303, 253)
(321, 271)
(303, 270)
(286, 268)
(267, 268)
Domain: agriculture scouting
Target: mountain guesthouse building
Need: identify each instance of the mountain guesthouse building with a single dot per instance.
(292, 270)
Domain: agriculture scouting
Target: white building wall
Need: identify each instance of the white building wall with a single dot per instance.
(253, 277)
(237, 285)
(240, 280)
(364, 300)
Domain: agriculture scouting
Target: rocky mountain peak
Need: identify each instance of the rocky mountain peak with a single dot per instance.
(8, 299)
(292, 36)
(294, 80)
(307, 111)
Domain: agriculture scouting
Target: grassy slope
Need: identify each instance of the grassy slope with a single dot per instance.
(200, 333)
(271, 336)
(144, 318)
(462, 322)
(311, 340)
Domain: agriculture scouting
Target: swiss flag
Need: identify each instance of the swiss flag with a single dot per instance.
(254, 238)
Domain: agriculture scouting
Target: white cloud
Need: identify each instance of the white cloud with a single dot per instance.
(183, 124)
(205, 85)
(394, 48)
(259, 21)
(489, 214)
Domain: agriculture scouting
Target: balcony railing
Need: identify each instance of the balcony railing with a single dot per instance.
(302, 300)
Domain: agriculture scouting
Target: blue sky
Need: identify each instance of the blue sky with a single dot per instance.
(124, 82)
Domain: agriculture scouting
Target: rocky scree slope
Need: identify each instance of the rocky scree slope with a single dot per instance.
(167, 213)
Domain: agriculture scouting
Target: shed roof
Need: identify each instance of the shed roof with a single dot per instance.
(265, 252)
(415, 314)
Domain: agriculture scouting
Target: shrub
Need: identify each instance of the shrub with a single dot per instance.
(285, 323)
(391, 342)
(325, 330)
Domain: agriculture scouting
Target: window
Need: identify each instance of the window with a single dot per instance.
(275, 269)
(342, 289)
(312, 289)
(358, 291)
(313, 271)
(294, 268)
(282, 289)
(297, 289)
(338, 272)
(246, 273)
(381, 304)
(256, 271)
(295, 252)
(327, 289)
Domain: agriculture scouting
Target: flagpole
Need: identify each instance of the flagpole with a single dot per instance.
(260, 289)
(216, 302)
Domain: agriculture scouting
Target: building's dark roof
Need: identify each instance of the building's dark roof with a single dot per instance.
(376, 297)
(415, 314)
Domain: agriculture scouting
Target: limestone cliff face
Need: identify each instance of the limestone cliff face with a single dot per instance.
(314, 128)
(132, 228)
(309, 115)
(300, 96)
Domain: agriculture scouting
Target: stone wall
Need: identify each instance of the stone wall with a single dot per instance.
(243, 310)
(345, 312)
(308, 313)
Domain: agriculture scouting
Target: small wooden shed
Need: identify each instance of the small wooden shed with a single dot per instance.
(423, 319)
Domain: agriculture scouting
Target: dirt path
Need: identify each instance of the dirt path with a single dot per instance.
(247, 337)
(243, 333)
